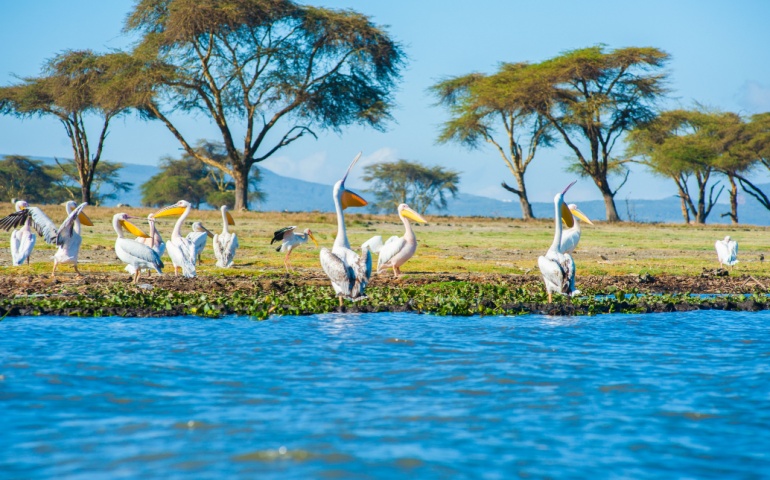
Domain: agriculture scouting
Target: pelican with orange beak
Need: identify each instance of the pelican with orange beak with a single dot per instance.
(397, 250)
(134, 254)
(571, 236)
(180, 249)
(348, 271)
(557, 267)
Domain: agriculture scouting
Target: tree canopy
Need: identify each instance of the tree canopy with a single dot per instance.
(269, 70)
(32, 180)
(421, 187)
(481, 104)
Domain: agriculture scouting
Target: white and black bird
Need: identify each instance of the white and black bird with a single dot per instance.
(152, 240)
(556, 266)
(727, 252)
(397, 250)
(181, 250)
(198, 238)
(289, 239)
(571, 236)
(67, 237)
(134, 254)
(348, 271)
(22, 240)
(225, 243)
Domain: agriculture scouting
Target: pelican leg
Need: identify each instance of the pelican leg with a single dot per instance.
(286, 262)
(176, 270)
(340, 301)
(136, 276)
(75, 266)
(55, 264)
(550, 297)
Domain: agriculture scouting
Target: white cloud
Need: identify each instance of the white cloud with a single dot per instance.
(754, 97)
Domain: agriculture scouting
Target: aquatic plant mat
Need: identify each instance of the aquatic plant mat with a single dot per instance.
(308, 293)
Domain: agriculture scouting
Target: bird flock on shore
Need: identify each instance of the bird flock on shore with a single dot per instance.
(348, 269)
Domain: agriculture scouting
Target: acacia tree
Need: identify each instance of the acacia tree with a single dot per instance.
(24, 178)
(592, 97)
(270, 69)
(681, 145)
(106, 181)
(399, 182)
(76, 85)
(478, 103)
(755, 145)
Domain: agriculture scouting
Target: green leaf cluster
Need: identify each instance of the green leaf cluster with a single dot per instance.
(421, 187)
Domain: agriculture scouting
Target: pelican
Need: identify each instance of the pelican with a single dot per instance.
(22, 240)
(397, 250)
(67, 237)
(348, 272)
(225, 243)
(289, 240)
(198, 238)
(152, 240)
(557, 267)
(181, 250)
(571, 236)
(727, 252)
(137, 255)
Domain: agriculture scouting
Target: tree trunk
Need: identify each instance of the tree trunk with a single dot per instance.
(241, 180)
(733, 199)
(526, 207)
(609, 200)
(85, 193)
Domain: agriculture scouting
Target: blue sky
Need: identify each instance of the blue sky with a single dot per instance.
(719, 55)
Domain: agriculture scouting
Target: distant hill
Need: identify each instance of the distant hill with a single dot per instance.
(293, 195)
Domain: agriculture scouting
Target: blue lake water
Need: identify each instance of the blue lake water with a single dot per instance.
(387, 395)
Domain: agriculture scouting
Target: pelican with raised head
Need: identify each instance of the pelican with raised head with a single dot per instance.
(225, 243)
(152, 240)
(181, 250)
(397, 250)
(67, 237)
(198, 237)
(727, 252)
(348, 272)
(136, 255)
(557, 267)
(289, 240)
(22, 240)
(571, 236)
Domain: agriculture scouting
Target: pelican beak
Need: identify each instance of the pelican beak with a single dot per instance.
(566, 215)
(412, 215)
(581, 216)
(312, 237)
(230, 220)
(133, 229)
(352, 199)
(568, 187)
(84, 220)
(208, 232)
(351, 167)
(169, 211)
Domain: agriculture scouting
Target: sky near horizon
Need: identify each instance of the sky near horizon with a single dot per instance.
(719, 58)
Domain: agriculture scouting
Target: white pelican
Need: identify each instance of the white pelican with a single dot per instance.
(152, 240)
(557, 267)
(198, 238)
(397, 250)
(225, 243)
(289, 240)
(571, 236)
(181, 250)
(22, 240)
(348, 272)
(66, 237)
(137, 255)
(727, 252)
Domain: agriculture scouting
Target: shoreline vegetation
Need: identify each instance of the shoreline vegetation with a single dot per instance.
(463, 266)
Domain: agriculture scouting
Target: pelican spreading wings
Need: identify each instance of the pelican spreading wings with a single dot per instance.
(67, 237)
(181, 250)
(198, 238)
(289, 240)
(136, 255)
(557, 267)
(571, 236)
(727, 252)
(22, 240)
(225, 243)
(397, 250)
(348, 271)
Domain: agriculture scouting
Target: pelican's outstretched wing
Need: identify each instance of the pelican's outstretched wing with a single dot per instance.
(374, 244)
(278, 235)
(390, 250)
(43, 225)
(68, 225)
